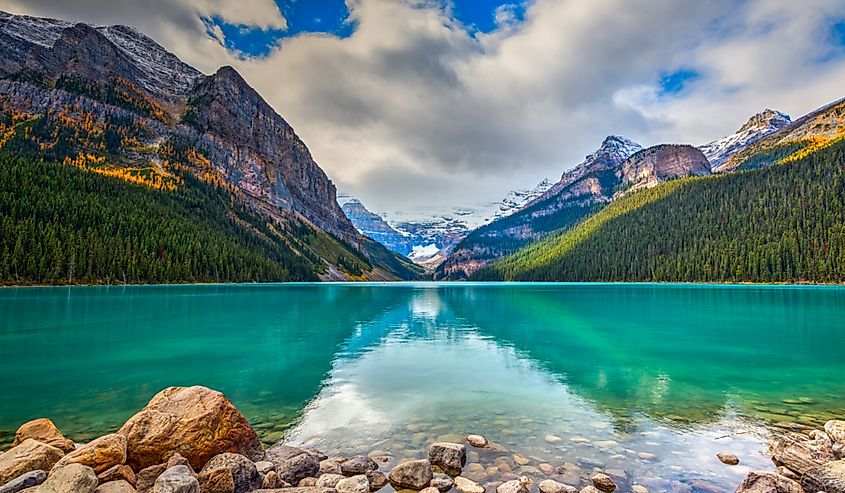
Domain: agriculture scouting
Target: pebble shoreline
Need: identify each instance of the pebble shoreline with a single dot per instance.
(193, 440)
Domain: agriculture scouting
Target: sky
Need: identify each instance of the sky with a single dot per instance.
(412, 103)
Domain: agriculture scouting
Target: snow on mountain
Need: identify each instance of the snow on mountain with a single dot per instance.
(757, 127)
(423, 252)
(161, 68)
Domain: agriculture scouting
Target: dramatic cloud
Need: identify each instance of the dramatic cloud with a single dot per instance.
(413, 106)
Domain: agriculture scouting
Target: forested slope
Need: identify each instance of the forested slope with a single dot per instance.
(781, 223)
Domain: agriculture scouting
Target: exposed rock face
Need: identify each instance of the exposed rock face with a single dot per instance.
(29, 455)
(44, 431)
(757, 127)
(655, 165)
(100, 454)
(414, 475)
(801, 453)
(196, 422)
(829, 478)
(580, 191)
(374, 226)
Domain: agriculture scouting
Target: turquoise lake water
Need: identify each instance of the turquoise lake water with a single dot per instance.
(645, 381)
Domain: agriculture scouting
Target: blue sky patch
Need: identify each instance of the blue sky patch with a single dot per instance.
(837, 33)
(480, 15)
(674, 82)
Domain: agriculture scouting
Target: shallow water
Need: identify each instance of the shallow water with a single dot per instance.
(645, 381)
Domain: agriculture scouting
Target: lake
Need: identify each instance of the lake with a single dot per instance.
(645, 381)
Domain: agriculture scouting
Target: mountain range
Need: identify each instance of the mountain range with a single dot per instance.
(111, 101)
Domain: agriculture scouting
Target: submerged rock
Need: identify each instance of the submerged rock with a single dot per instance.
(728, 458)
(29, 455)
(44, 431)
(552, 486)
(467, 485)
(766, 482)
(413, 475)
(514, 486)
(100, 454)
(450, 457)
(443, 482)
(196, 422)
(27, 480)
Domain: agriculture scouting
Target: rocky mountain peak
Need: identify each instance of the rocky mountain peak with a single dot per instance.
(758, 126)
(766, 120)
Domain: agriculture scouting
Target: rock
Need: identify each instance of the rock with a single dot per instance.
(789, 473)
(120, 486)
(100, 454)
(801, 453)
(196, 422)
(590, 489)
(450, 457)
(26, 480)
(216, 480)
(766, 482)
(514, 486)
(834, 428)
(177, 479)
(307, 482)
(520, 460)
(412, 475)
(728, 458)
(552, 439)
(829, 478)
(293, 464)
(377, 479)
(357, 465)
(329, 480)
(329, 466)
(477, 441)
(354, 484)
(43, 430)
(638, 488)
(264, 466)
(647, 456)
(467, 485)
(552, 486)
(430, 489)
(244, 473)
(270, 480)
(146, 477)
(287, 489)
(442, 482)
(72, 478)
(29, 455)
(475, 472)
(177, 460)
(120, 472)
(838, 450)
(603, 482)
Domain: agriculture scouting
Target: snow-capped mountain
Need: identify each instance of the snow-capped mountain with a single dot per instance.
(757, 127)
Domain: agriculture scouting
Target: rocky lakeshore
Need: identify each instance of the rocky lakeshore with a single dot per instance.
(194, 440)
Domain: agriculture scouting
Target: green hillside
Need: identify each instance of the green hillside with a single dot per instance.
(781, 223)
(61, 224)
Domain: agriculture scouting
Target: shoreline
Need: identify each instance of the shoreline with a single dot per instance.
(196, 437)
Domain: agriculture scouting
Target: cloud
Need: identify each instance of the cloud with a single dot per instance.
(413, 107)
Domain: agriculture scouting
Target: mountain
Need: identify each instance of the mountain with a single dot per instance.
(427, 236)
(111, 101)
(655, 165)
(778, 223)
(757, 127)
(580, 192)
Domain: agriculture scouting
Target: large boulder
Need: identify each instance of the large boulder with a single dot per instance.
(354, 484)
(178, 479)
(100, 454)
(835, 428)
(829, 478)
(293, 464)
(357, 465)
(196, 422)
(44, 431)
(244, 473)
(411, 475)
(30, 455)
(377, 479)
(766, 482)
(24, 481)
(146, 477)
(801, 453)
(216, 480)
(72, 478)
(450, 457)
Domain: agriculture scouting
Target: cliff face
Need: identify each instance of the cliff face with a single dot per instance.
(110, 97)
(655, 165)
